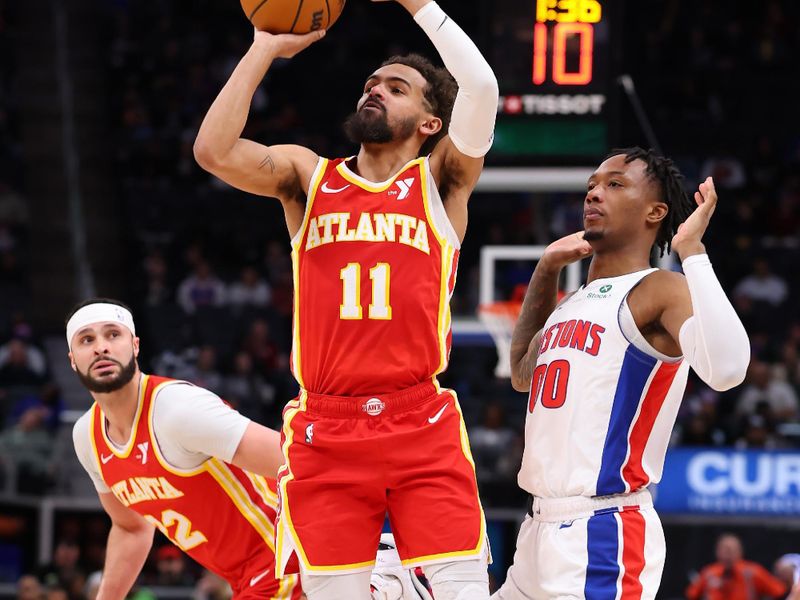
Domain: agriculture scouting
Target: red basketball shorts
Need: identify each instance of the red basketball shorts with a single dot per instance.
(264, 586)
(350, 461)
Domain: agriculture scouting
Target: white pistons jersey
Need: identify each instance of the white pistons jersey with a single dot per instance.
(602, 401)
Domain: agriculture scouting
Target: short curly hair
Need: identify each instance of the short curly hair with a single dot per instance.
(666, 175)
(440, 92)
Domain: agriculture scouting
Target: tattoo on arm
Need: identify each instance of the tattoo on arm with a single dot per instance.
(527, 363)
(540, 301)
(267, 161)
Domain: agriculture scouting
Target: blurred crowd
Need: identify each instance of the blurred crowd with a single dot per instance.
(210, 272)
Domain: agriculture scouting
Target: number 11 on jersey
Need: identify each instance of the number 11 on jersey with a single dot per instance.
(379, 309)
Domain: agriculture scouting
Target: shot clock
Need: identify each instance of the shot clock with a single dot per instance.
(554, 63)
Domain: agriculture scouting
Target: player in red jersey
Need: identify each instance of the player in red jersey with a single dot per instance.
(375, 242)
(167, 455)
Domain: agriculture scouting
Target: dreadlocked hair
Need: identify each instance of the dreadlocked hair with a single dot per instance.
(670, 182)
(440, 92)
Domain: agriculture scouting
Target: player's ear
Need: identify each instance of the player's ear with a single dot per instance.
(658, 212)
(72, 361)
(431, 126)
(136, 347)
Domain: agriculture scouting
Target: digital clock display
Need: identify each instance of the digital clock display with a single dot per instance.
(553, 61)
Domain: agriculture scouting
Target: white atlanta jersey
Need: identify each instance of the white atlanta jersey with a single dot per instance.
(602, 401)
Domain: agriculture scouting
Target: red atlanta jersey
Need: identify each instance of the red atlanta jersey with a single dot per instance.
(374, 270)
(219, 514)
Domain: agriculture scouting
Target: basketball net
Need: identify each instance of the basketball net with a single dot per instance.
(500, 318)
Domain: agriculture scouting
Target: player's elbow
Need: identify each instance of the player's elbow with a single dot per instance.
(207, 154)
(730, 374)
(518, 379)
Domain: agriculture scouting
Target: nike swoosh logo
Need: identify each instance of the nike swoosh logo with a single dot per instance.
(259, 577)
(329, 190)
(438, 415)
(105, 459)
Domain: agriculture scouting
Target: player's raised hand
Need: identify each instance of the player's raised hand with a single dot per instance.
(688, 239)
(286, 45)
(567, 250)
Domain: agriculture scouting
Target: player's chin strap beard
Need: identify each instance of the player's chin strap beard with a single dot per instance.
(102, 387)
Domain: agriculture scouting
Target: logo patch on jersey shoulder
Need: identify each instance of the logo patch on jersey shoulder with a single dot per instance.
(605, 289)
(405, 186)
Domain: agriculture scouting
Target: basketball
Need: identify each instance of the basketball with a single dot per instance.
(292, 16)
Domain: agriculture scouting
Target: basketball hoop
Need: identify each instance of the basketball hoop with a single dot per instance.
(500, 318)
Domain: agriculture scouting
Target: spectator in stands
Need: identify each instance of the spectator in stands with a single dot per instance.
(171, 567)
(758, 432)
(47, 398)
(21, 364)
(204, 371)
(762, 285)
(65, 571)
(251, 291)
(93, 585)
(259, 345)
(212, 587)
(202, 288)
(732, 577)
(29, 446)
(764, 387)
(491, 441)
(787, 569)
(247, 390)
(29, 588)
(59, 592)
(157, 289)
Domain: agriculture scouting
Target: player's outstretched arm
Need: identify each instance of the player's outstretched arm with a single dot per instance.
(259, 451)
(696, 312)
(457, 160)
(278, 171)
(129, 543)
(540, 301)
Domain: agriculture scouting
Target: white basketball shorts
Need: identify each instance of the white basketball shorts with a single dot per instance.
(609, 548)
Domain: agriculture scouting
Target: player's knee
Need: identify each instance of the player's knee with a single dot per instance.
(460, 580)
(336, 587)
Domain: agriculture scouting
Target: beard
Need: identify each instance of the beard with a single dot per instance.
(592, 235)
(363, 127)
(105, 387)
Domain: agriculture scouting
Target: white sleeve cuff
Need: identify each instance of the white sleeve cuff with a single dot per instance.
(475, 109)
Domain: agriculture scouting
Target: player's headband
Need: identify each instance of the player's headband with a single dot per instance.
(99, 313)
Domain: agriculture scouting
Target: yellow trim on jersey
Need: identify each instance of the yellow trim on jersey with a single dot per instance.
(286, 587)
(297, 405)
(443, 320)
(296, 350)
(297, 243)
(259, 483)
(371, 186)
(94, 444)
(465, 449)
(448, 252)
(154, 442)
(241, 499)
(426, 204)
(280, 561)
(316, 179)
(129, 445)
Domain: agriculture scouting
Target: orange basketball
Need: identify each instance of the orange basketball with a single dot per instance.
(292, 16)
